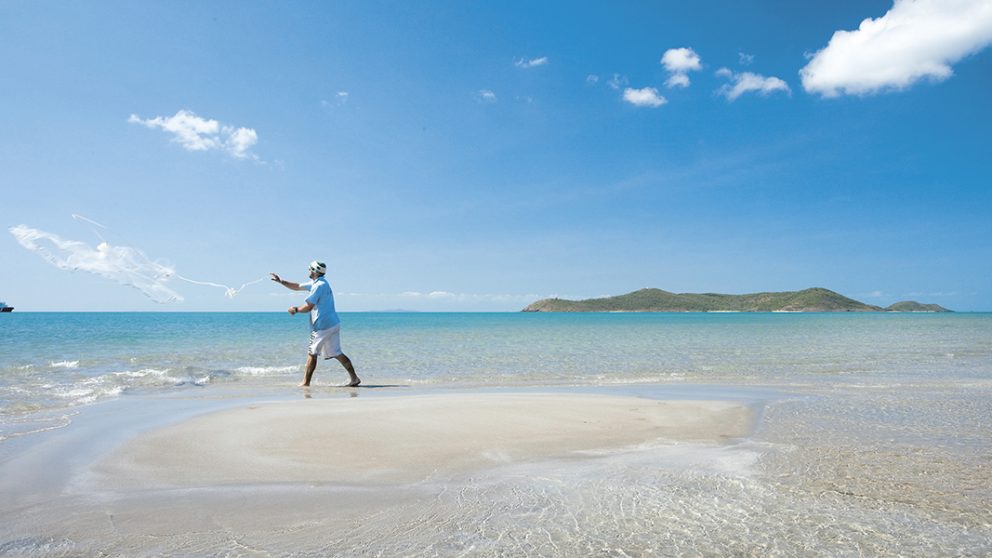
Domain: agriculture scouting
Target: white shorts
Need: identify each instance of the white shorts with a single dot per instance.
(326, 342)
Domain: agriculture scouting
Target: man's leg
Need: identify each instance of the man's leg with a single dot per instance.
(311, 366)
(346, 362)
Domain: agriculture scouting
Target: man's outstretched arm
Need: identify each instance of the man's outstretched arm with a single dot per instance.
(288, 284)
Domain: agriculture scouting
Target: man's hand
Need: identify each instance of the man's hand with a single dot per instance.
(292, 310)
(275, 278)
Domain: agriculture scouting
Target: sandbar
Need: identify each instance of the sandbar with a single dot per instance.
(402, 440)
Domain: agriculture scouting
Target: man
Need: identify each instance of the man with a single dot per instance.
(325, 334)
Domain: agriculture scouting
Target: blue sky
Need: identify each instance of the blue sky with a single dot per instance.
(479, 156)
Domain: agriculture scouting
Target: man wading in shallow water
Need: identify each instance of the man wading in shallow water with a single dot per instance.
(325, 334)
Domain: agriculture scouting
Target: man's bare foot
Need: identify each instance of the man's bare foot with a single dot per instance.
(303, 384)
(354, 383)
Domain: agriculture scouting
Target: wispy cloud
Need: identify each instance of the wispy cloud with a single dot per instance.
(435, 300)
(679, 62)
(935, 294)
(485, 96)
(746, 82)
(432, 294)
(873, 294)
(745, 59)
(448, 296)
(914, 40)
(677, 80)
(618, 81)
(592, 78)
(340, 98)
(532, 63)
(644, 97)
(194, 133)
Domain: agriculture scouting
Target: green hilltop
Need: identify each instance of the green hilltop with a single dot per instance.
(657, 300)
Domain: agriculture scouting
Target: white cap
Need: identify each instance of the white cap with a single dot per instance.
(318, 267)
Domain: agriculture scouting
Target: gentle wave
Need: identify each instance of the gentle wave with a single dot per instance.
(14, 428)
(78, 389)
(153, 377)
(82, 395)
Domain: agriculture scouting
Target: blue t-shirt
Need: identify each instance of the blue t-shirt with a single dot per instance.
(323, 315)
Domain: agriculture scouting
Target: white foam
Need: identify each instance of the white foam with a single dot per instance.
(267, 370)
(660, 378)
(64, 364)
(143, 373)
(183, 380)
(84, 395)
(156, 377)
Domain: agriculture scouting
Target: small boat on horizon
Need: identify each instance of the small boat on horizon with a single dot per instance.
(5, 308)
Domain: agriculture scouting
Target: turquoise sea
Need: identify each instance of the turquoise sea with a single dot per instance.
(873, 436)
(51, 361)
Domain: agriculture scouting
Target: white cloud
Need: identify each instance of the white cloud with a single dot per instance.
(433, 295)
(195, 133)
(914, 40)
(240, 141)
(592, 78)
(678, 80)
(679, 62)
(440, 294)
(532, 63)
(485, 96)
(746, 82)
(745, 59)
(618, 81)
(644, 97)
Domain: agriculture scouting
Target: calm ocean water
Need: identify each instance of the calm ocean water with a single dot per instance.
(872, 436)
(50, 362)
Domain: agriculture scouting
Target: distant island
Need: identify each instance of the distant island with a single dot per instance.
(657, 300)
(913, 306)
